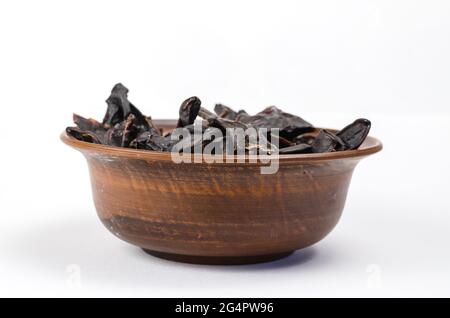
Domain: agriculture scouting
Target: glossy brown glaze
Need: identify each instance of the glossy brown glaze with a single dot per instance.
(221, 213)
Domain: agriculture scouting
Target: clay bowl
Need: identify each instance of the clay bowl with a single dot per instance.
(219, 213)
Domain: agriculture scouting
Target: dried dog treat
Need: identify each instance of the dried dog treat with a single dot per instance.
(354, 134)
(188, 111)
(125, 126)
(272, 117)
(83, 135)
(119, 108)
(327, 142)
(225, 112)
(150, 141)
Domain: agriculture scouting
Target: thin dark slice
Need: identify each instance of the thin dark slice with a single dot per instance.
(225, 112)
(152, 127)
(188, 111)
(149, 141)
(83, 135)
(242, 115)
(272, 117)
(119, 108)
(87, 124)
(122, 134)
(354, 134)
(218, 122)
(326, 141)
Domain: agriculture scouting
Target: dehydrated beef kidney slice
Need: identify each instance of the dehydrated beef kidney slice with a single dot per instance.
(354, 134)
(119, 108)
(125, 126)
(272, 117)
(149, 141)
(327, 142)
(188, 111)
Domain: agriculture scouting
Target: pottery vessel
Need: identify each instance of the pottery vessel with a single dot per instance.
(218, 213)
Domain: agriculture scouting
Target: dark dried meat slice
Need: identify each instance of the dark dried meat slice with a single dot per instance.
(83, 135)
(354, 134)
(327, 142)
(88, 130)
(225, 112)
(119, 108)
(218, 122)
(272, 117)
(122, 134)
(149, 141)
(188, 111)
(87, 124)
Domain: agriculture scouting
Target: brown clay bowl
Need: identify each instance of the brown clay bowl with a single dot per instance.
(220, 213)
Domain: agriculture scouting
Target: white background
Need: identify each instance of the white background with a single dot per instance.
(328, 61)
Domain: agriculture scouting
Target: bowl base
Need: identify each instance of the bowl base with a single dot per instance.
(218, 260)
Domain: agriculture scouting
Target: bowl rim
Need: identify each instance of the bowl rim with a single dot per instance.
(370, 146)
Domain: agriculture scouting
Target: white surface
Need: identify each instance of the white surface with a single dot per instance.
(329, 61)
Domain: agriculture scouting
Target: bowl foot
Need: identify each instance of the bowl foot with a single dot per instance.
(218, 260)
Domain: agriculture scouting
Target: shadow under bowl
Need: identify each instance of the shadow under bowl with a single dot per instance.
(218, 213)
